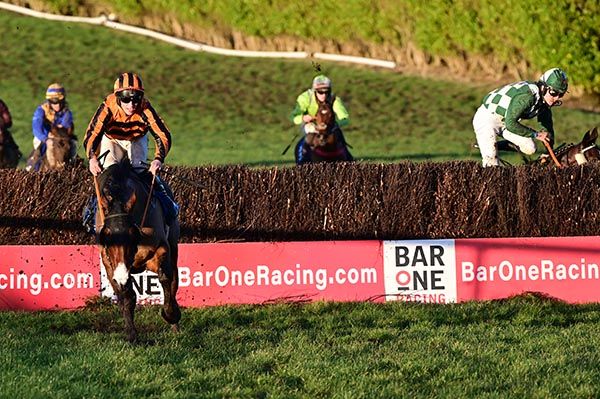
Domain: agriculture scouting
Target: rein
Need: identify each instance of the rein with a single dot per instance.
(558, 165)
(173, 175)
(148, 201)
(97, 188)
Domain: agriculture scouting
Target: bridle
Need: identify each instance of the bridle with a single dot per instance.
(580, 156)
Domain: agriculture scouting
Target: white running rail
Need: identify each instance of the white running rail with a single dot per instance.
(110, 23)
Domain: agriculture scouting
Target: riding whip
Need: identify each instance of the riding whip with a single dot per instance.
(290, 144)
(99, 202)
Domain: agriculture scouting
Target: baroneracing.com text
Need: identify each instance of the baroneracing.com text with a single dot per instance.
(36, 282)
(545, 270)
(263, 275)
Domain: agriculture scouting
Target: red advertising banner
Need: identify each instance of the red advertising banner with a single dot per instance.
(48, 277)
(565, 268)
(441, 271)
(214, 274)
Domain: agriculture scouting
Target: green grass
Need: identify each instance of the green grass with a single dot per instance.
(225, 110)
(233, 110)
(522, 347)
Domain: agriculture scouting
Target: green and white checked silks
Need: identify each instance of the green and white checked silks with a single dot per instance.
(498, 101)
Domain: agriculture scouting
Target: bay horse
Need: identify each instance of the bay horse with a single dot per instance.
(9, 151)
(58, 150)
(128, 248)
(324, 137)
(576, 154)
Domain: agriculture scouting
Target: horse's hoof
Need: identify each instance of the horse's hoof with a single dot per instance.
(132, 338)
(173, 317)
(175, 327)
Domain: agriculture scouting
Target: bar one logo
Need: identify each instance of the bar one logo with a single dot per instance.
(428, 276)
(420, 271)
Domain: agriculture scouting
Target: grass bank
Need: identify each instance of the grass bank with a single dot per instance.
(225, 110)
(487, 38)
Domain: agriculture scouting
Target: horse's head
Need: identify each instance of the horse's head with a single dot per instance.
(119, 236)
(58, 147)
(582, 152)
(324, 123)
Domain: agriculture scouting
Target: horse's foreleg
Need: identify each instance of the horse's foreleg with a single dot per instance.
(169, 279)
(126, 296)
(127, 301)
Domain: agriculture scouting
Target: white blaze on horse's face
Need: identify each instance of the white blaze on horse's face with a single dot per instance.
(121, 275)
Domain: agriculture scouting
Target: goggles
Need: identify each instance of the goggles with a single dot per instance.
(127, 96)
(54, 100)
(555, 93)
(323, 91)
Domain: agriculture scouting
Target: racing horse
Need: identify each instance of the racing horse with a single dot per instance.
(58, 150)
(128, 247)
(576, 154)
(324, 137)
(9, 151)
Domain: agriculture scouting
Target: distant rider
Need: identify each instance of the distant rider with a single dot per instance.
(5, 124)
(119, 128)
(502, 110)
(54, 111)
(5, 118)
(306, 108)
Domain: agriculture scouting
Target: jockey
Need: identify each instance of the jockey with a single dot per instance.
(502, 110)
(52, 112)
(119, 128)
(306, 108)
(5, 124)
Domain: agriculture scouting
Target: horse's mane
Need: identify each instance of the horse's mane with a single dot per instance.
(563, 148)
(118, 172)
(119, 179)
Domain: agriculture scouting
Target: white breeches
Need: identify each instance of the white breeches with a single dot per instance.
(487, 126)
(136, 151)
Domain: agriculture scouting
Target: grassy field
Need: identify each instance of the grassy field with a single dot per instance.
(225, 110)
(234, 110)
(524, 347)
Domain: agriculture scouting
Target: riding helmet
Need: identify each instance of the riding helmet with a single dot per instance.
(128, 81)
(55, 91)
(321, 82)
(556, 79)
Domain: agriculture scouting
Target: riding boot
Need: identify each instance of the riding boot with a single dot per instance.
(505, 145)
(72, 150)
(302, 152)
(89, 214)
(33, 162)
(165, 196)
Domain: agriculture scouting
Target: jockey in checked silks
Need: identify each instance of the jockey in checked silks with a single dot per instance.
(118, 129)
(503, 109)
(306, 108)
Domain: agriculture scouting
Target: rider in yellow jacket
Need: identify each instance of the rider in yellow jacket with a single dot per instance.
(306, 108)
